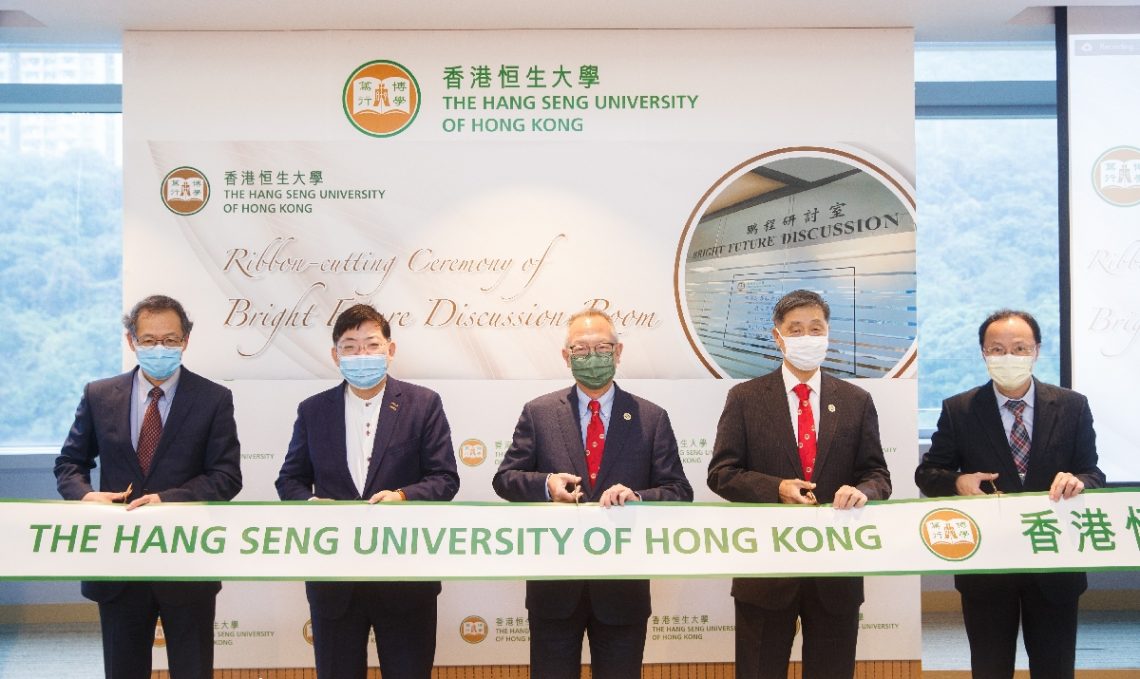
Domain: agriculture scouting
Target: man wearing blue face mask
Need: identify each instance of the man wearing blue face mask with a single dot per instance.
(378, 439)
(161, 434)
(1015, 434)
(798, 436)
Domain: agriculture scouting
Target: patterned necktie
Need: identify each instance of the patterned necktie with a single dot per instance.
(1018, 436)
(150, 432)
(595, 441)
(806, 442)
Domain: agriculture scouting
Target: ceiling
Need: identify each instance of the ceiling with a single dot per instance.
(102, 22)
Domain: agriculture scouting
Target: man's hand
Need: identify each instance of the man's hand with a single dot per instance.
(564, 487)
(387, 496)
(792, 492)
(617, 494)
(1065, 485)
(849, 497)
(152, 499)
(971, 484)
(106, 498)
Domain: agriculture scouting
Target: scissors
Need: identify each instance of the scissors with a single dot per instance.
(571, 488)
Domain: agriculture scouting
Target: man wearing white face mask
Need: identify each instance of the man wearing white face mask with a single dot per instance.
(378, 439)
(798, 436)
(1015, 434)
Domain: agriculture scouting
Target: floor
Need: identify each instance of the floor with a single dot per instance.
(1107, 640)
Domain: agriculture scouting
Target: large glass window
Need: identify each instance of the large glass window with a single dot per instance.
(60, 250)
(987, 210)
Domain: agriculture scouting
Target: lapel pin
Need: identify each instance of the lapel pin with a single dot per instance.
(831, 407)
(627, 417)
(393, 406)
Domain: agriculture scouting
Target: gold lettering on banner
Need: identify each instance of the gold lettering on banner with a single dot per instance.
(508, 276)
(243, 314)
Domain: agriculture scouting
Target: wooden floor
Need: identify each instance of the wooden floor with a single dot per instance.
(898, 669)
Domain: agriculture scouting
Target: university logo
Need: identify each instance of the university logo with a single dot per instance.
(472, 452)
(381, 98)
(159, 635)
(473, 629)
(185, 191)
(1116, 176)
(950, 534)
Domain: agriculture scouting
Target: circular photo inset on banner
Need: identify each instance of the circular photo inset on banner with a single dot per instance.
(830, 220)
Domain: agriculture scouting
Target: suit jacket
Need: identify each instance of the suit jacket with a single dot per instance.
(412, 452)
(755, 449)
(198, 457)
(971, 438)
(640, 453)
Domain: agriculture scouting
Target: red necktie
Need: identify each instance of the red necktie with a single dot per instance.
(151, 431)
(806, 442)
(595, 441)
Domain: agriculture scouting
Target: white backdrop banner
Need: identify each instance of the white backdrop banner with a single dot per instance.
(478, 188)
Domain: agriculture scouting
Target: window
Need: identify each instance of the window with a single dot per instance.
(987, 211)
(60, 242)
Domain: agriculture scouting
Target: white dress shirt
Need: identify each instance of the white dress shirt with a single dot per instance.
(360, 418)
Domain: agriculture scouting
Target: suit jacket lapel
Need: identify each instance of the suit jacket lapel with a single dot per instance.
(775, 400)
(826, 421)
(985, 407)
(1044, 418)
(616, 435)
(120, 419)
(333, 432)
(569, 422)
(385, 425)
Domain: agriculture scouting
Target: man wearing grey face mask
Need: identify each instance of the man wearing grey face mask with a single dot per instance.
(1015, 434)
(592, 442)
(798, 436)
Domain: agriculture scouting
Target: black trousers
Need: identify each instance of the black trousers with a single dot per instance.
(556, 646)
(404, 624)
(764, 637)
(1049, 628)
(128, 620)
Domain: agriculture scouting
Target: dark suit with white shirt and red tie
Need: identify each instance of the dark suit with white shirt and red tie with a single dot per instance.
(971, 437)
(640, 453)
(755, 450)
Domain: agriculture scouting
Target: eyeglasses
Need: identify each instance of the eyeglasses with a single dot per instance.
(581, 350)
(152, 342)
(1017, 350)
(357, 348)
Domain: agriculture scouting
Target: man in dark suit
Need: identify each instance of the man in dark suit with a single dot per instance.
(162, 434)
(1015, 434)
(590, 443)
(767, 450)
(378, 439)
